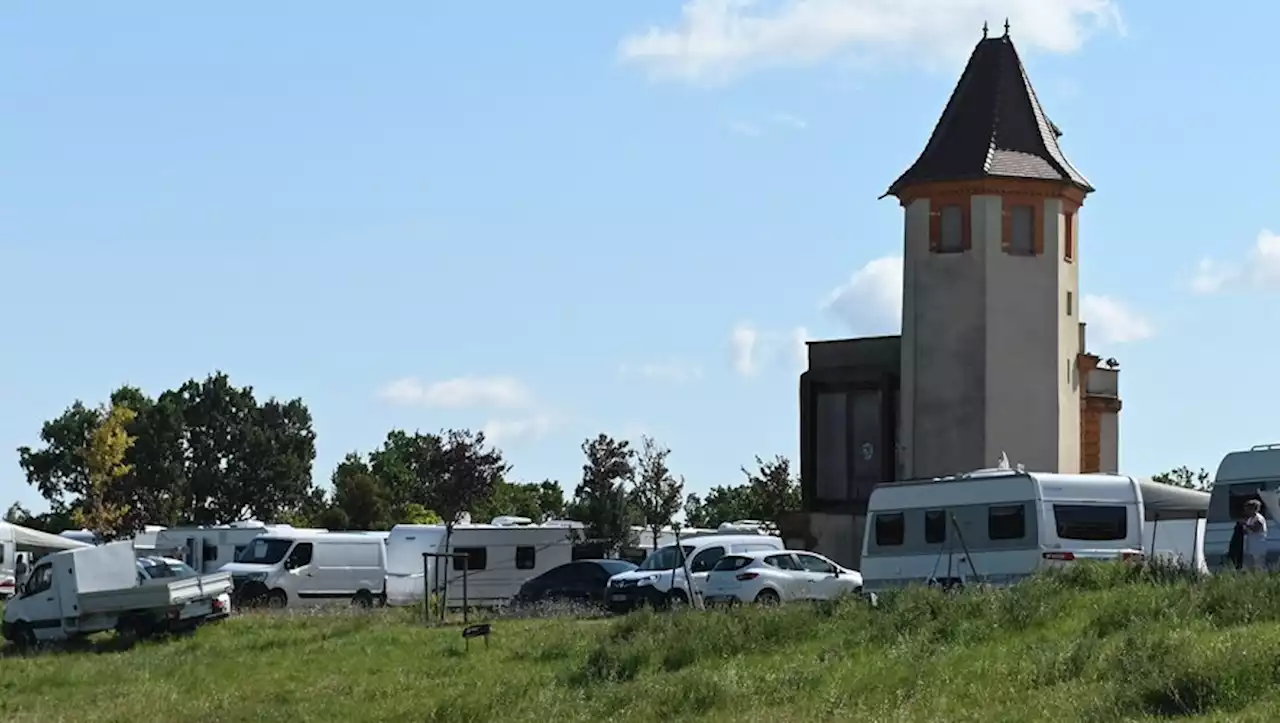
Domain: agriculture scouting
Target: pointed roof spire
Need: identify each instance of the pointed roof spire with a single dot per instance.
(1006, 27)
(992, 127)
(984, 29)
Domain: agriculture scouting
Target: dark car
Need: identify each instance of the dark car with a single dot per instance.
(580, 581)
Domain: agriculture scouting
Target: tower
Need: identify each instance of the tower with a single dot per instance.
(991, 340)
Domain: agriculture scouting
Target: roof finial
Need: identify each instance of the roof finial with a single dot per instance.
(1006, 27)
(984, 29)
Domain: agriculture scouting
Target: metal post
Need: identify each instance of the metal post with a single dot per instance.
(1155, 528)
(426, 591)
(466, 573)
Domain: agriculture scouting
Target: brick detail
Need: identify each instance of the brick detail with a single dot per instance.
(1092, 407)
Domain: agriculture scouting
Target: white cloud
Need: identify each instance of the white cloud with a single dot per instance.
(1260, 271)
(672, 371)
(1113, 321)
(871, 301)
(716, 40)
(459, 393)
(753, 348)
(744, 339)
(510, 431)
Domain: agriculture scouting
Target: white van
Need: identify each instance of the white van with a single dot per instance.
(997, 526)
(310, 568)
(1252, 474)
(660, 580)
(500, 558)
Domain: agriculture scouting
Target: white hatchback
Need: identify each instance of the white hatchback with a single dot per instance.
(775, 576)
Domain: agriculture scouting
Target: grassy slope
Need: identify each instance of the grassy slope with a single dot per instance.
(1097, 645)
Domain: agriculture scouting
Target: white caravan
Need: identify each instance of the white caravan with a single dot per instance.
(661, 580)
(1242, 476)
(999, 526)
(20, 547)
(310, 568)
(207, 549)
(500, 558)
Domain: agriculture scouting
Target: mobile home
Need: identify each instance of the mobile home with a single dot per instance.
(1252, 474)
(499, 559)
(999, 526)
(207, 549)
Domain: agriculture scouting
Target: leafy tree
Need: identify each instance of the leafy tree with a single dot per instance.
(600, 500)
(769, 492)
(17, 514)
(416, 514)
(463, 472)
(656, 495)
(359, 495)
(102, 509)
(395, 468)
(59, 469)
(540, 502)
(1184, 477)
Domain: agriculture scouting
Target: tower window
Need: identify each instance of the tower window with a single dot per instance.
(1022, 230)
(1070, 304)
(947, 231)
(1069, 236)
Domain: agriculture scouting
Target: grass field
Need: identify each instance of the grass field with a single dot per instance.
(1095, 644)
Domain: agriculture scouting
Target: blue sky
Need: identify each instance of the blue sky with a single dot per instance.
(563, 218)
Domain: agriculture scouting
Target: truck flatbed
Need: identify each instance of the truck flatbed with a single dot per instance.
(155, 596)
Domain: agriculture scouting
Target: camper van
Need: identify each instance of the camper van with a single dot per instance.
(500, 557)
(207, 549)
(998, 526)
(290, 569)
(1242, 476)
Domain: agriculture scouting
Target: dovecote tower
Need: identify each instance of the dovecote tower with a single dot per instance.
(990, 328)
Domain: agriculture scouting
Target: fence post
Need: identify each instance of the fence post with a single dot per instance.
(466, 602)
(426, 593)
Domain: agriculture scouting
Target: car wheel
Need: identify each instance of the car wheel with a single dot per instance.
(24, 637)
(363, 599)
(768, 597)
(277, 599)
(677, 599)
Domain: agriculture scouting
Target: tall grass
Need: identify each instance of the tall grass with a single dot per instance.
(1092, 643)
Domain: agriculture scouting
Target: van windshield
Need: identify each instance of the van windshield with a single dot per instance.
(665, 558)
(263, 551)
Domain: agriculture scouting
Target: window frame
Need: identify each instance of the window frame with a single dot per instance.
(1069, 236)
(996, 511)
(889, 518)
(931, 519)
(1060, 525)
(938, 226)
(697, 556)
(531, 563)
(473, 554)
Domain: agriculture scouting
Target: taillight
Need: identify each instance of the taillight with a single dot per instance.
(744, 576)
(1062, 556)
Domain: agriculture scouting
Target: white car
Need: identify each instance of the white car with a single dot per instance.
(167, 568)
(776, 576)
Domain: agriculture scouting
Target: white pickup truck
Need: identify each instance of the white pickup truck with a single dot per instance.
(93, 589)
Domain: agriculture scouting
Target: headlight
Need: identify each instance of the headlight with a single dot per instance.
(647, 580)
(256, 577)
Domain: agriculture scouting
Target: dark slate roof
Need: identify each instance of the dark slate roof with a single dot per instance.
(993, 127)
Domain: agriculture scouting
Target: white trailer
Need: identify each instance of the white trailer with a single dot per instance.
(999, 526)
(500, 558)
(1252, 474)
(93, 589)
(207, 549)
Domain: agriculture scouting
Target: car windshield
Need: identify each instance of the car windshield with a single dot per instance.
(616, 567)
(666, 558)
(264, 551)
(180, 570)
(154, 569)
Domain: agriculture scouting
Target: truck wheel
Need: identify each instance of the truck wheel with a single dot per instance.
(134, 628)
(363, 599)
(24, 636)
(277, 599)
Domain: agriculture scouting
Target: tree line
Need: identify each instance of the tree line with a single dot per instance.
(210, 452)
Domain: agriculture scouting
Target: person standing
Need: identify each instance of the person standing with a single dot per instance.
(1255, 536)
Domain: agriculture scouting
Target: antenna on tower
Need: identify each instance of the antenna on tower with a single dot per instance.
(1006, 27)
(984, 29)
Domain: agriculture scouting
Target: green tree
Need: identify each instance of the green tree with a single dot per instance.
(656, 495)
(17, 514)
(770, 491)
(722, 504)
(601, 500)
(58, 469)
(102, 508)
(1184, 477)
(539, 502)
(395, 464)
(359, 495)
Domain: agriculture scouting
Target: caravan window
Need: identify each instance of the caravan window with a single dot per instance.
(526, 558)
(1091, 522)
(210, 552)
(1007, 522)
(890, 529)
(1237, 495)
(935, 526)
(477, 558)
